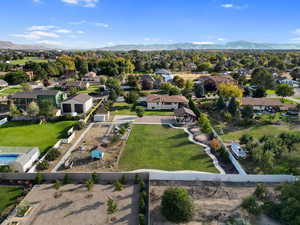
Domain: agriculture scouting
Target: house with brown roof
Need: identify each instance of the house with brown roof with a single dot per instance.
(262, 104)
(165, 102)
(78, 85)
(216, 80)
(77, 104)
(184, 114)
(3, 84)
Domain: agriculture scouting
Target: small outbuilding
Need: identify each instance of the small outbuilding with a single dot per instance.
(78, 104)
(97, 154)
(237, 151)
(184, 114)
(3, 84)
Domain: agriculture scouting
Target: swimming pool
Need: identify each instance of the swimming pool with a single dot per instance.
(5, 159)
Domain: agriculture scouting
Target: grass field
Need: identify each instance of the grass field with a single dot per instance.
(256, 131)
(27, 59)
(28, 134)
(164, 148)
(122, 108)
(8, 196)
(91, 89)
(9, 91)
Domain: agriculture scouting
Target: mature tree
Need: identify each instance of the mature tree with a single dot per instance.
(247, 112)
(215, 144)
(204, 123)
(13, 110)
(230, 90)
(147, 84)
(176, 205)
(112, 95)
(246, 138)
(199, 91)
(259, 92)
(140, 111)
(26, 87)
(178, 81)
(114, 84)
(46, 108)
(295, 73)
(33, 109)
(233, 106)
(17, 77)
(284, 90)
(221, 105)
(132, 97)
(263, 78)
(205, 66)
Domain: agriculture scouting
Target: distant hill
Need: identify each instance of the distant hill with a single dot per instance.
(11, 45)
(228, 45)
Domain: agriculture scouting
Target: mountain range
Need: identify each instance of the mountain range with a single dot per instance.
(175, 46)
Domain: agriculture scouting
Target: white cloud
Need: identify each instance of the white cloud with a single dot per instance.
(80, 32)
(63, 31)
(227, 5)
(203, 43)
(221, 39)
(297, 31)
(36, 35)
(151, 39)
(102, 25)
(78, 22)
(49, 42)
(48, 27)
(84, 3)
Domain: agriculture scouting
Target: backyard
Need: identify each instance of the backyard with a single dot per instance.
(123, 108)
(8, 197)
(164, 148)
(256, 131)
(33, 134)
(9, 91)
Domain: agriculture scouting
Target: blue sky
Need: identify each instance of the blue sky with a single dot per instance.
(98, 23)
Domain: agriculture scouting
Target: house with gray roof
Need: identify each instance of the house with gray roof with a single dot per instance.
(3, 84)
(78, 104)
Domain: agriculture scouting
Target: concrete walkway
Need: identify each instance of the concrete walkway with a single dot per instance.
(293, 99)
(68, 153)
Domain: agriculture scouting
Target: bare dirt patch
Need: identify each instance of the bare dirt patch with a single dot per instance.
(214, 202)
(75, 205)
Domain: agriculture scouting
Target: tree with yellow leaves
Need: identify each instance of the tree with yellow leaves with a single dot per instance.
(230, 90)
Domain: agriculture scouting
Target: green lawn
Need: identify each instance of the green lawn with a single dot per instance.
(270, 92)
(256, 131)
(91, 89)
(8, 196)
(9, 91)
(27, 59)
(28, 134)
(164, 148)
(123, 108)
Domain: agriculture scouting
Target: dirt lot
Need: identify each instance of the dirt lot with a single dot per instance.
(77, 206)
(190, 76)
(82, 162)
(213, 201)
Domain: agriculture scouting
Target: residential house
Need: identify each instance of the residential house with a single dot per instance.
(218, 79)
(30, 75)
(91, 77)
(23, 99)
(284, 80)
(78, 85)
(165, 102)
(3, 84)
(77, 104)
(184, 114)
(155, 82)
(265, 104)
(166, 75)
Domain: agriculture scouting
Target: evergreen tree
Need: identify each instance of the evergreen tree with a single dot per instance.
(233, 106)
(199, 91)
(220, 103)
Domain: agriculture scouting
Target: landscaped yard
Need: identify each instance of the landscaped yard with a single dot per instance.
(8, 196)
(123, 108)
(29, 134)
(89, 90)
(256, 131)
(164, 148)
(27, 59)
(9, 91)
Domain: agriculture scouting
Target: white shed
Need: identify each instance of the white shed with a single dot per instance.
(79, 104)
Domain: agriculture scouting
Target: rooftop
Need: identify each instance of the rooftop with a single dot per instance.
(166, 98)
(81, 98)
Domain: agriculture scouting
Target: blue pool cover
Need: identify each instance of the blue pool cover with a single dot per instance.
(7, 158)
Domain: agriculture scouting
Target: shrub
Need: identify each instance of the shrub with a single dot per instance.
(176, 205)
(44, 165)
(66, 179)
(245, 139)
(57, 184)
(141, 219)
(224, 155)
(89, 184)
(112, 206)
(118, 186)
(23, 208)
(137, 179)
(250, 204)
(215, 144)
(140, 111)
(260, 191)
(53, 154)
(79, 125)
(142, 186)
(142, 205)
(39, 178)
(95, 178)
